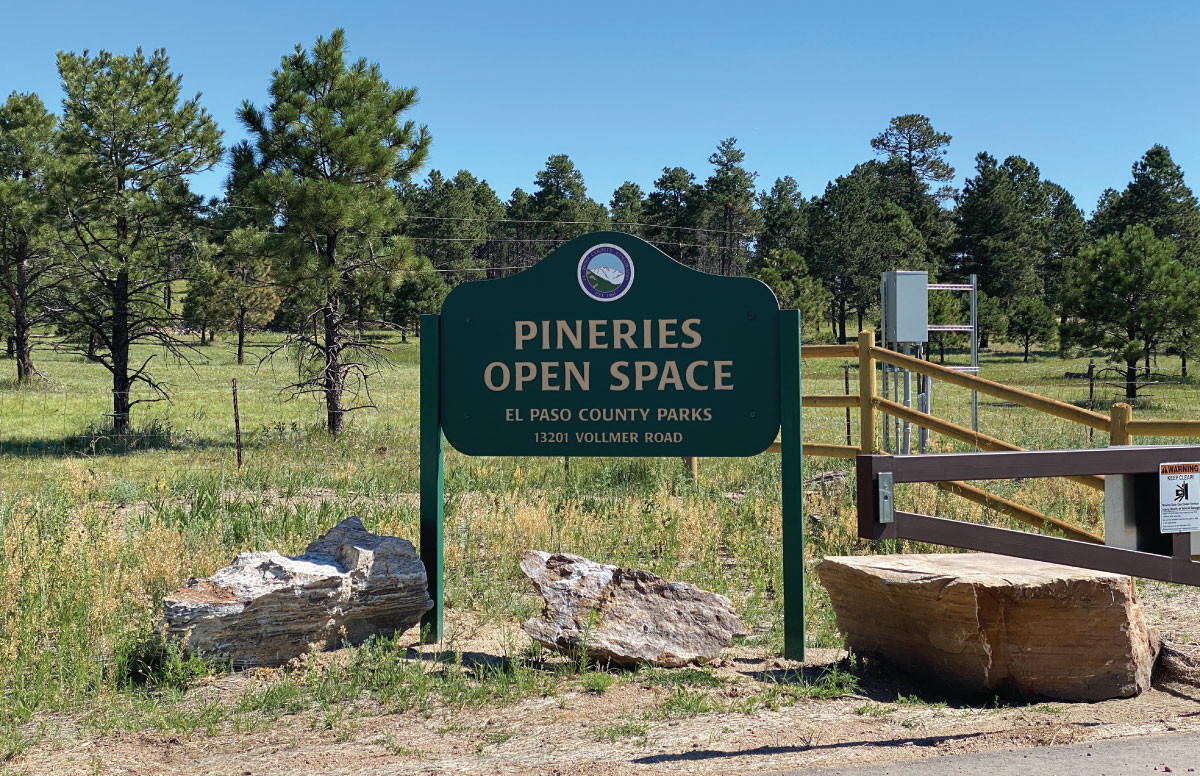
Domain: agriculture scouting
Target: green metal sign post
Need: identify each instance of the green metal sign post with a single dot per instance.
(608, 347)
(792, 470)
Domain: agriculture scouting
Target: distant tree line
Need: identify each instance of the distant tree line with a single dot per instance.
(323, 233)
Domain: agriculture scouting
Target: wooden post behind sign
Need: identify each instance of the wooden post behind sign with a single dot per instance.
(431, 473)
(793, 484)
(237, 427)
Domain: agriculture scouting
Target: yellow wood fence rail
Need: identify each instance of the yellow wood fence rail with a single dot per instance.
(1118, 424)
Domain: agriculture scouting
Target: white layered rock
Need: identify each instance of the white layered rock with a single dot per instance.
(266, 608)
(625, 616)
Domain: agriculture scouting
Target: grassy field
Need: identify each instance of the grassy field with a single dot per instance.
(93, 534)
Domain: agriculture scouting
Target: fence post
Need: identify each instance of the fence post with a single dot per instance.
(846, 392)
(1119, 416)
(237, 427)
(866, 392)
(432, 477)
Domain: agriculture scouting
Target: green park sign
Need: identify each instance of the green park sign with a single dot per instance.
(608, 347)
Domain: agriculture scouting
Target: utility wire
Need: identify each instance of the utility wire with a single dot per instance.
(409, 217)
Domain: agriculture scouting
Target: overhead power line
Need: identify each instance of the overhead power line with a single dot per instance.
(410, 217)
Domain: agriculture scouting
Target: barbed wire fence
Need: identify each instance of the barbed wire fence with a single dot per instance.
(72, 414)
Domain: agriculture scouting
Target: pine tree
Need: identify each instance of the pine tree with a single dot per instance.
(330, 144)
(522, 231)
(855, 233)
(912, 141)
(787, 275)
(1031, 322)
(452, 223)
(419, 291)
(1158, 197)
(673, 208)
(128, 144)
(561, 206)
(628, 208)
(246, 282)
(916, 177)
(1126, 294)
(999, 239)
(728, 201)
(1066, 236)
(29, 270)
(205, 308)
(784, 216)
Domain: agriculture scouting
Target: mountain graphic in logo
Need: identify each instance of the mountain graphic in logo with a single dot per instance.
(605, 272)
(605, 279)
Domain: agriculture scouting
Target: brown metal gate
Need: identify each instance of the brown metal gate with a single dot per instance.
(879, 519)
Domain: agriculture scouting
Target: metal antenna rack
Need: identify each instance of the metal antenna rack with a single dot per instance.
(973, 329)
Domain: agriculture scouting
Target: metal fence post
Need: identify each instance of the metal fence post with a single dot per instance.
(792, 470)
(431, 474)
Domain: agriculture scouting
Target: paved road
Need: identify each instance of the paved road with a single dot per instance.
(1118, 757)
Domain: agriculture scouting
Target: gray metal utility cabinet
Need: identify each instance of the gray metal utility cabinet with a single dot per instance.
(906, 307)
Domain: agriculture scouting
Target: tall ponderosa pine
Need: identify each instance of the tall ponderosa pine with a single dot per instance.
(855, 233)
(674, 208)
(728, 200)
(916, 177)
(911, 140)
(330, 145)
(1002, 235)
(561, 206)
(1159, 197)
(127, 144)
(1126, 294)
(454, 224)
(27, 219)
(627, 208)
(1066, 235)
(784, 218)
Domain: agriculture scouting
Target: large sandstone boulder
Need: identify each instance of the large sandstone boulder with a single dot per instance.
(976, 623)
(625, 616)
(265, 608)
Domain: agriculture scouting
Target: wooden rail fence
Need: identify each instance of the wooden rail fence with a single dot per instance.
(1118, 424)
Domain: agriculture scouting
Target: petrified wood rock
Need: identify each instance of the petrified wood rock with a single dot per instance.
(625, 616)
(265, 608)
(976, 623)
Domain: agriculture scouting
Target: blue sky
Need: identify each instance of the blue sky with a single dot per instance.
(625, 88)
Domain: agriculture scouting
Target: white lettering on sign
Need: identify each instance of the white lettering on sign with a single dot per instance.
(1179, 497)
(619, 334)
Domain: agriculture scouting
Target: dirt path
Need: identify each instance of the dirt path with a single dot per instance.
(578, 732)
(633, 725)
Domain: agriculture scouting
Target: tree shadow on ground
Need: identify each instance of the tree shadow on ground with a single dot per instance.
(882, 683)
(772, 751)
(482, 661)
(98, 443)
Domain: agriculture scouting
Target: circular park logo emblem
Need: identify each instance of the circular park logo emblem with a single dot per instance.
(605, 272)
